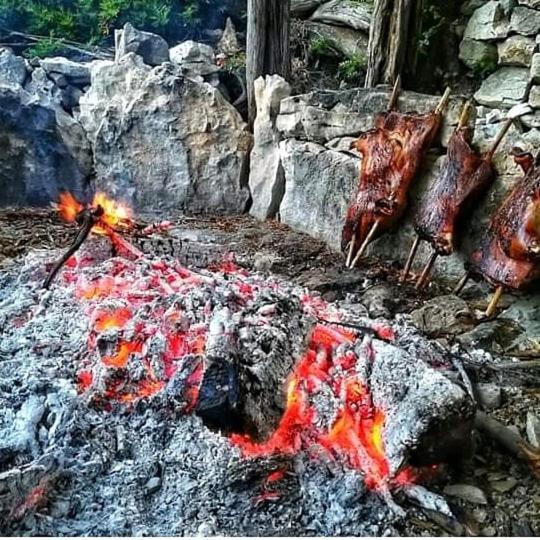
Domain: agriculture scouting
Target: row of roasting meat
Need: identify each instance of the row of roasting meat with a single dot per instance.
(507, 256)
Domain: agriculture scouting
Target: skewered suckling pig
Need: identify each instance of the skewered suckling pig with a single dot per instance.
(510, 253)
(464, 175)
(392, 153)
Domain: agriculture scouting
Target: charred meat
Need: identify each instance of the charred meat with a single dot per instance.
(464, 175)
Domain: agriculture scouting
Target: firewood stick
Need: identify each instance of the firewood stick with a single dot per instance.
(410, 260)
(444, 101)
(510, 440)
(366, 242)
(352, 245)
(395, 94)
(462, 282)
(494, 301)
(427, 271)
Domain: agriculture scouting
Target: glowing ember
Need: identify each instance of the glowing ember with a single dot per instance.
(356, 432)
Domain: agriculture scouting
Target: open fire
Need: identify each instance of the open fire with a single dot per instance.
(332, 386)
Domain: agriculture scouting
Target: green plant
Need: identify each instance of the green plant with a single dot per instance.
(45, 47)
(352, 69)
(321, 46)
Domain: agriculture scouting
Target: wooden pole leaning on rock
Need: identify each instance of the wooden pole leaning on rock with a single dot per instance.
(492, 307)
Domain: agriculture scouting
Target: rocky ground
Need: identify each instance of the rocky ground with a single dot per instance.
(491, 492)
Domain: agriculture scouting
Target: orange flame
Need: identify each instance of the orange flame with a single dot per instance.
(69, 207)
(120, 359)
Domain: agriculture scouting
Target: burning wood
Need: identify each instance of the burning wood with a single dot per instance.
(392, 153)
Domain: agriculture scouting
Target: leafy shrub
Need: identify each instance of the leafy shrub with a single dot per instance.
(352, 69)
(91, 21)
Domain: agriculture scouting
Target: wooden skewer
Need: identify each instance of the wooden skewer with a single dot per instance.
(352, 244)
(465, 113)
(395, 93)
(444, 101)
(366, 242)
(427, 271)
(410, 260)
(494, 302)
(462, 282)
(500, 136)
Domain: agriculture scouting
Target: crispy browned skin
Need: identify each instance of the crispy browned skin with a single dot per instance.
(464, 175)
(392, 153)
(510, 253)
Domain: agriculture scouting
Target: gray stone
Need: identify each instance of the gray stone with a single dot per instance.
(319, 184)
(153, 49)
(467, 493)
(443, 315)
(321, 116)
(525, 21)
(480, 56)
(266, 178)
(488, 22)
(534, 97)
(489, 395)
(351, 13)
(13, 71)
(531, 120)
(470, 6)
(533, 429)
(504, 486)
(379, 300)
(229, 44)
(162, 141)
(44, 150)
(535, 4)
(516, 51)
(525, 311)
(76, 73)
(345, 42)
(504, 88)
(301, 7)
(191, 51)
(535, 68)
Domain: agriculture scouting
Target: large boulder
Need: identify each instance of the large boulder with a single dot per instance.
(44, 150)
(164, 142)
(153, 49)
(319, 184)
(196, 61)
(13, 71)
(504, 88)
(321, 116)
(266, 177)
(300, 7)
(488, 22)
(351, 13)
(343, 42)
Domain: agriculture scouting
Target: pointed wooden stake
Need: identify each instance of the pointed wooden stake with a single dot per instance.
(465, 114)
(410, 260)
(395, 94)
(366, 242)
(352, 245)
(444, 101)
(490, 311)
(500, 136)
(427, 271)
(462, 282)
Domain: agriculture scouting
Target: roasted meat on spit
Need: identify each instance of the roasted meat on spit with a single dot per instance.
(509, 256)
(392, 153)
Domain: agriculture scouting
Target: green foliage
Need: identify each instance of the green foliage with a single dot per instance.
(45, 47)
(321, 46)
(90, 21)
(352, 69)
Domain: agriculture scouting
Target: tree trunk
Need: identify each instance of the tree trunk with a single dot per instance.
(268, 44)
(393, 40)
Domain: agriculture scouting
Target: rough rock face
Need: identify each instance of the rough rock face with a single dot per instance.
(319, 183)
(153, 49)
(504, 88)
(357, 15)
(266, 179)
(478, 55)
(13, 70)
(44, 150)
(164, 142)
(516, 51)
(488, 22)
(298, 7)
(75, 72)
(344, 41)
(196, 61)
